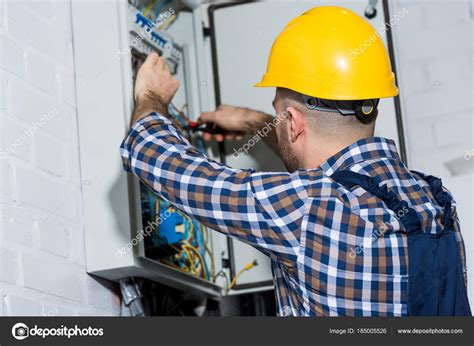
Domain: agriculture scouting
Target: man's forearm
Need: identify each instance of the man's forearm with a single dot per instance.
(147, 104)
(257, 122)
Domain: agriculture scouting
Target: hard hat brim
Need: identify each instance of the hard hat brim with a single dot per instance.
(311, 87)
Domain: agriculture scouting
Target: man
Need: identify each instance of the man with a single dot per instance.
(349, 229)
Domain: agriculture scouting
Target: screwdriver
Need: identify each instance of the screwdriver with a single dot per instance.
(205, 127)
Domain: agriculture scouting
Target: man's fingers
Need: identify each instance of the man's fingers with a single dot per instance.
(155, 61)
(162, 65)
(152, 59)
(209, 137)
(207, 117)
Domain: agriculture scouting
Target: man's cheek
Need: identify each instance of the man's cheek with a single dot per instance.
(278, 130)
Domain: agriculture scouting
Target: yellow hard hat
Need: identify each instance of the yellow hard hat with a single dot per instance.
(331, 53)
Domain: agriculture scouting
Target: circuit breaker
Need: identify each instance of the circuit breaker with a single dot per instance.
(131, 232)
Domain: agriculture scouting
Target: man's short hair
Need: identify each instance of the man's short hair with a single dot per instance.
(324, 123)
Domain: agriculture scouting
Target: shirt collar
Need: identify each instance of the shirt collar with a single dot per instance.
(362, 150)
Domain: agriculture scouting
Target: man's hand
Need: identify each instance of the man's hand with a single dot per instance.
(154, 87)
(236, 121)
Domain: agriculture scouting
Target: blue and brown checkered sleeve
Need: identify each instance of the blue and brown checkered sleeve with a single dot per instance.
(263, 209)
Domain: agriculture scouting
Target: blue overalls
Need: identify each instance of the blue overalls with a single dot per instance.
(436, 285)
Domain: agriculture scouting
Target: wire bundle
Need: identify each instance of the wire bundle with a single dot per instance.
(191, 254)
(158, 11)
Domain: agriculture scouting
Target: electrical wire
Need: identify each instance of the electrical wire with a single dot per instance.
(190, 256)
(191, 253)
(192, 264)
(197, 238)
(210, 253)
(161, 6)
(170, 21)
(248, 266)
(178, 258)
(149, 7)
(179, 114)
(200, 244)
(157, 217)
(170, 264)
(226, 281)
(201, 260)
(191, 227)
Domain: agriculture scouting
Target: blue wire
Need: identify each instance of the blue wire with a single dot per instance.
(160, 7)
(201, 144)
(177, 116)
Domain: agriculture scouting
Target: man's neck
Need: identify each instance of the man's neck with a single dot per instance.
(319, 151)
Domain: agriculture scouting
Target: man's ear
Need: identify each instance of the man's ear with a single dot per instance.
(297, 123)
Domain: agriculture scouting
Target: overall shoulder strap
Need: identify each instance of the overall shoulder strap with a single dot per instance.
(441, 196)
(404, 213)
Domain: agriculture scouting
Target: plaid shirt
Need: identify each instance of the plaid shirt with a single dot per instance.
(334, 251)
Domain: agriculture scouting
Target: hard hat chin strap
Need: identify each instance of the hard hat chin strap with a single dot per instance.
(364, 110)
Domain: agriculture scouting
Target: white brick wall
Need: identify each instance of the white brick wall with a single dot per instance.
(434, 46)
(434, 49)
(42, 266)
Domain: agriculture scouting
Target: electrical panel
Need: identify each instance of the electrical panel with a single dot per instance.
(173, 238)
(130, 231)
(145, 37)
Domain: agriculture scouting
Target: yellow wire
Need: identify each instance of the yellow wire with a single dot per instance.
(149, 7)
(201, 260)
(192, 231)
(248, 266)
(172, 265)
(190, 258)
(187, 245)
(209, 251)
(189, 268)
(157, 210)
(168, 22)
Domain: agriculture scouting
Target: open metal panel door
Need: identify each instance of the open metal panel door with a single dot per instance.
(242, 35)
